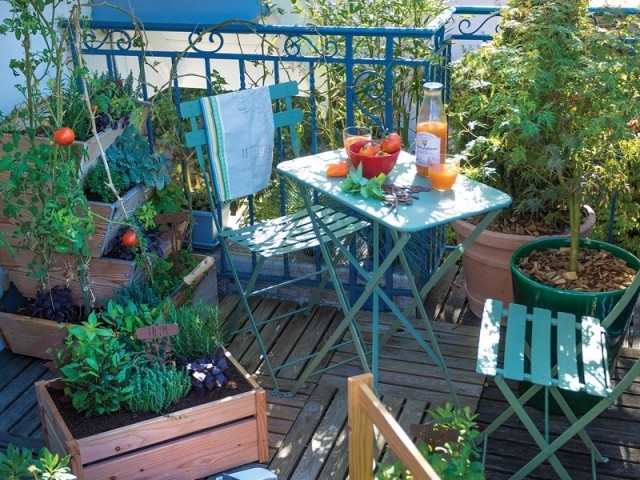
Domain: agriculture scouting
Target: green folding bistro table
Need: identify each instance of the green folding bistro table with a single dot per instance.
(430, 209)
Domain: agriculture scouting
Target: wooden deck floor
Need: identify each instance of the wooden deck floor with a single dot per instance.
(307, 433)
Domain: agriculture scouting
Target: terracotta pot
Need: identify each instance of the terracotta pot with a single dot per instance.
(192, 443)
(486, 263)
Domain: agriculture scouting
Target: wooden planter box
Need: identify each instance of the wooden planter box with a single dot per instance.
(33, 336)
(192, 443)
(105, 214)
(105, 274)
(90, 146)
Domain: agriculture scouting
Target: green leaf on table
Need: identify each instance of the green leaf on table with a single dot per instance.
(368, 188)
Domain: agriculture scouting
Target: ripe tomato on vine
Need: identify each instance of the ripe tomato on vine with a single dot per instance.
(64, 136)
(130, 239)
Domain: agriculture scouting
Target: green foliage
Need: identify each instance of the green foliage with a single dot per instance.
(156, 387)
(200, 331)
(112, 99)
(42, 193)
(96, 363)
(372, 187)
(457, 459)
(130, 155)
(626, 231)
(94, 182)
(541, 112)
(95, 368)
(406, 80)
(145, 215)
(138, 293)
(20, 464)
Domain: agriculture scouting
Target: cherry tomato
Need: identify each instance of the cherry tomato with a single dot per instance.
(130, 239)
(338, 169)
(64, 136)
(392, 143)
(369, 149)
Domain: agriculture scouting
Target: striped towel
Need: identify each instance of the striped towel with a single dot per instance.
(240, 131)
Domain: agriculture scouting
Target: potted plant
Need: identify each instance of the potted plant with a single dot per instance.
(47, 221)
(143, 392)
(19, 463)
(448, 444)
(541, 113)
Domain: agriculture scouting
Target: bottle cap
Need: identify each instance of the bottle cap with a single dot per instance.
(432, 86)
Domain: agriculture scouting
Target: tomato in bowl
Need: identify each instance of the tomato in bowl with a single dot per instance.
(372, 165)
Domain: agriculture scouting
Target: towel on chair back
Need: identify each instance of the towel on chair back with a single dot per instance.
(240, 130)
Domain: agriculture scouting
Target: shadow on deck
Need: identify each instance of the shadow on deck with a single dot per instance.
(308, 433)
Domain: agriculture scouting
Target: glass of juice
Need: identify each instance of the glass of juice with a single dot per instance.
(443, 174)
(355, 134)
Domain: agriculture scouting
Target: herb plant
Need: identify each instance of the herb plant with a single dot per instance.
(95, 368)
(199, 329)
(130, 155)
(95, 185)
(207, 372)
(156, 387)
(20, 463)
(368, 188)
(56, 304)
(457, 459)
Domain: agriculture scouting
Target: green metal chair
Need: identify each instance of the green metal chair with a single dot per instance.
(285, 235)
(515, 345)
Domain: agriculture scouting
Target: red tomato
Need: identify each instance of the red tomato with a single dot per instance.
(130, 239)
(369, 149)
(392, 143)
(64, 136)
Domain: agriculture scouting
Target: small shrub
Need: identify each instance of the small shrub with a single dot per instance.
(95, 368)
(156, 387)
(95, 183)
(200, 331)
(455, 459)
(19, 463)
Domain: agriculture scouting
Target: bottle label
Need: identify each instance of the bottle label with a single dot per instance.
(427, 148)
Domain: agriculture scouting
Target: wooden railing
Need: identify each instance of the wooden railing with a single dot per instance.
(365, 412)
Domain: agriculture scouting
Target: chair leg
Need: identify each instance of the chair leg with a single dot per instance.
(533, 431)
(566, 409)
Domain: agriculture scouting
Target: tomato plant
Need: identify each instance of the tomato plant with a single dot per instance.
(64, 136)
(130, 239)
(392, 143)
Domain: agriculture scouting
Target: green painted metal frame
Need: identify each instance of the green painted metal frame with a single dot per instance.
(590, 352)
(431, 209)
(279, 236)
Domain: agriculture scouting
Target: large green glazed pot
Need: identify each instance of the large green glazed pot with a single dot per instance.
(596, 304)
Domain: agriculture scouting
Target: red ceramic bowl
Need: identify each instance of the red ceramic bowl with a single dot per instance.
(372, 165)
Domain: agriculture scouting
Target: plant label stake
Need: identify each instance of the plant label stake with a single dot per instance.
(157, 339)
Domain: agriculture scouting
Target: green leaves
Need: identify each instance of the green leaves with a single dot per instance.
(368, 188)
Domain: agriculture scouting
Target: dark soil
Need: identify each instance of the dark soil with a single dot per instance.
(81, 426)
(598, 270)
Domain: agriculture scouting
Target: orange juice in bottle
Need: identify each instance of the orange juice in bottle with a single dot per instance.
(431, 129)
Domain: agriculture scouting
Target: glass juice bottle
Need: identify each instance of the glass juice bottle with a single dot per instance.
(431, 129)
